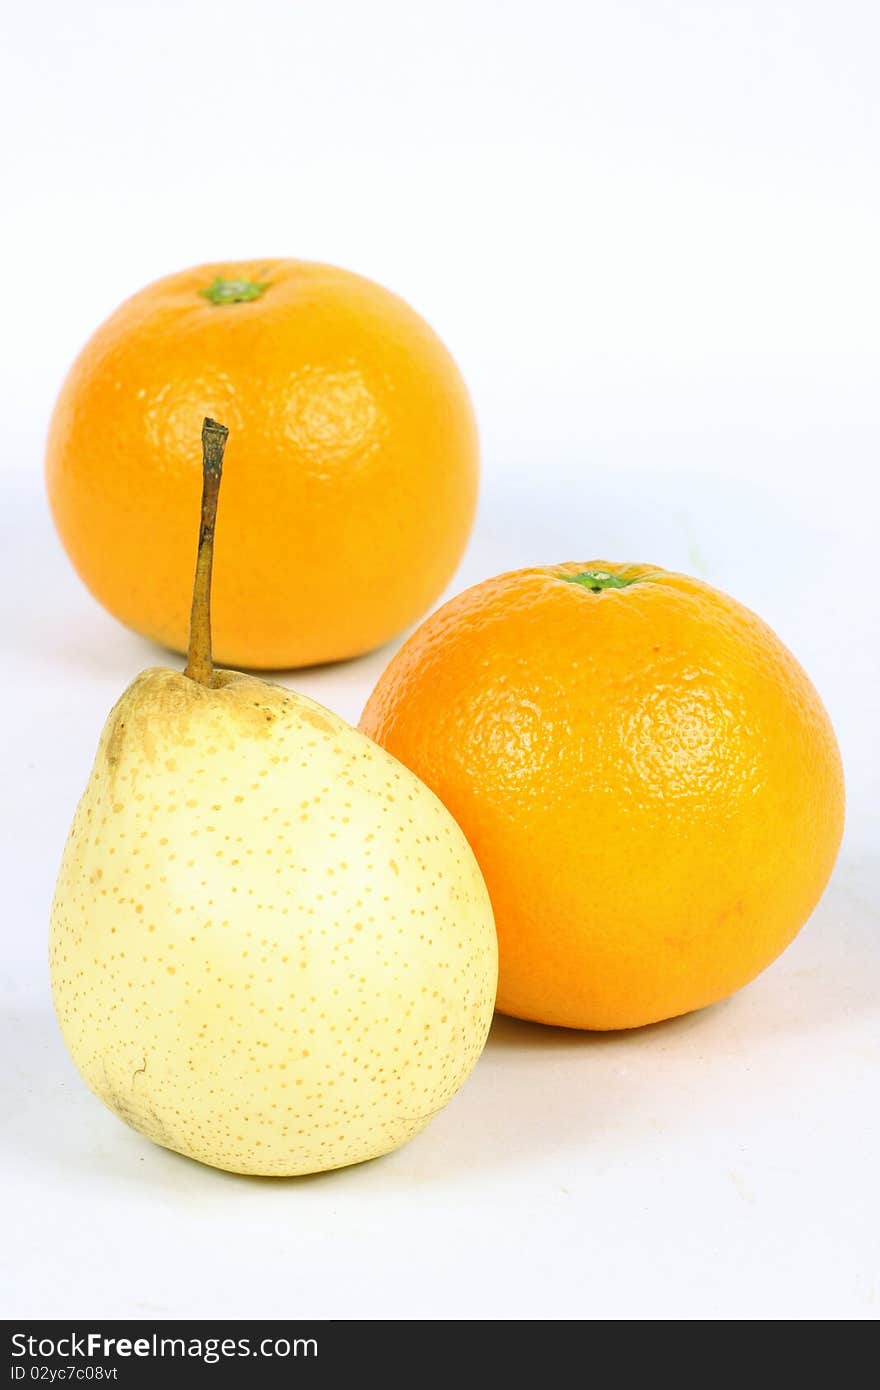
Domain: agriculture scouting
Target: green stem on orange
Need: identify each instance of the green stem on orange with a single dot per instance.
(597, 580)
(233, 291)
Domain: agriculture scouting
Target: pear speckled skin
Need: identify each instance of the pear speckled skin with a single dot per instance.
(271, 946)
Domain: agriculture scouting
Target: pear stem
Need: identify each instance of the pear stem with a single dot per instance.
(200, 665)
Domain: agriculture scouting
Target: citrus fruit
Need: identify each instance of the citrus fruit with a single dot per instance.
(649, 781)
(351, 470)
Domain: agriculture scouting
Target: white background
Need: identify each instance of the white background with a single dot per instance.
(650, 233)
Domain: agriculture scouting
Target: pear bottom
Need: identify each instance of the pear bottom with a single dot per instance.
(271, 946)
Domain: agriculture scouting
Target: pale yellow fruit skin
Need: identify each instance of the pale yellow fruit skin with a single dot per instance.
(271, 946)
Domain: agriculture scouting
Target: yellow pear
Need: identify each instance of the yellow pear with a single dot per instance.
(271, 946)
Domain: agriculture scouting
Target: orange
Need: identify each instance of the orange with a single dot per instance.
(647, 777)
(350, 477)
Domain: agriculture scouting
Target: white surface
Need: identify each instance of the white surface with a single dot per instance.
(649, 233)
